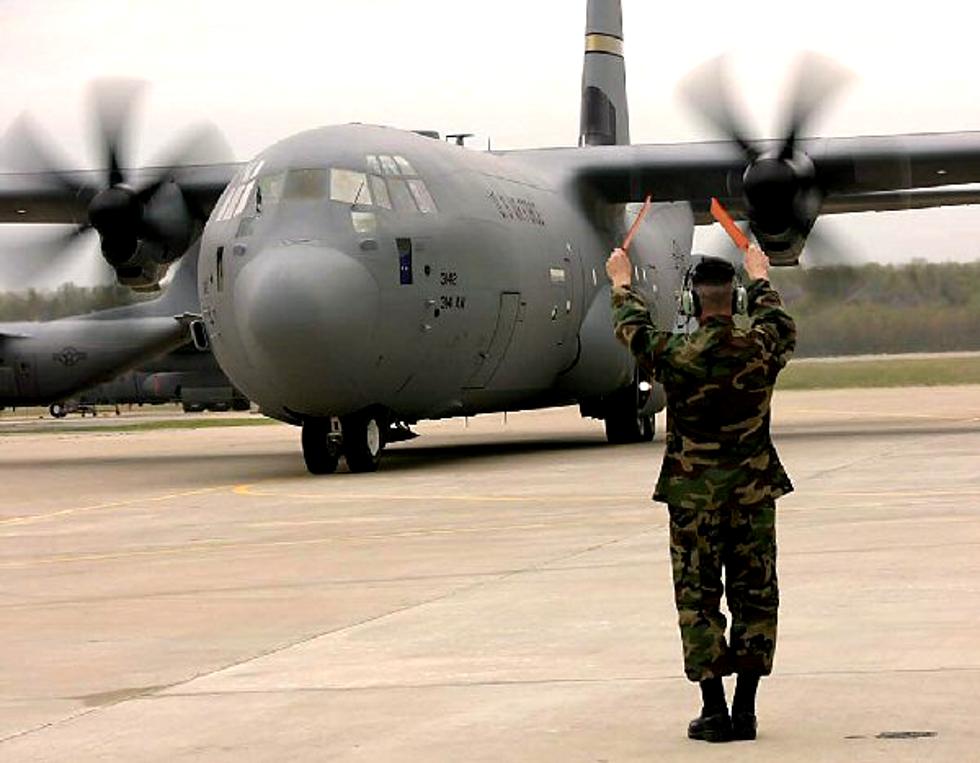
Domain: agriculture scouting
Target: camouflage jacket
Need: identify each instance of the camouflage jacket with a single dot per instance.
(719, 383)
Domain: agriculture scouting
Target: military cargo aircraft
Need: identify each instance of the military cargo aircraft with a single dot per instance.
(188, 376)
(52, 362)
(355, 279)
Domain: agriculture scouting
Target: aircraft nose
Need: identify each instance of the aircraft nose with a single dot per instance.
(307, 315)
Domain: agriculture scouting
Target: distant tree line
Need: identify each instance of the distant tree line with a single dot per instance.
(68, 299)
(871, 309)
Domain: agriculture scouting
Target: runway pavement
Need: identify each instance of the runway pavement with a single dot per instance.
(497, 592)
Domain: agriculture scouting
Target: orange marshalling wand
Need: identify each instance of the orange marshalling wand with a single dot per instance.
(636, 224)
(734, 232)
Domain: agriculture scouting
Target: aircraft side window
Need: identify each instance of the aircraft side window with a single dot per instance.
(305, 184)
(380, 192)
(388, 165)
(401, 196)
(373, 164)
(423, 198)
(364, 222)
(349, 187)
(404, 165)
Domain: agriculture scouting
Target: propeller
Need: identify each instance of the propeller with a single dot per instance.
(780, 185)
(127, 208)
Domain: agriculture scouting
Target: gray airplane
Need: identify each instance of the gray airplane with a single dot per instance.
(187, 375)
(51, 362)
(357, 279)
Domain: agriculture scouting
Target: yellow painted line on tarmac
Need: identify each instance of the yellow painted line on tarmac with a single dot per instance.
(30, 519)
(252, 491)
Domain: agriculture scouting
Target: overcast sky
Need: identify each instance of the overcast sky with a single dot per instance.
(507, 69)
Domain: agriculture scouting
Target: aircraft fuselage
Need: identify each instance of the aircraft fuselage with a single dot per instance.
(358, 266)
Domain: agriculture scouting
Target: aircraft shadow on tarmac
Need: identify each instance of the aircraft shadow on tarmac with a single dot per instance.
(257, 465)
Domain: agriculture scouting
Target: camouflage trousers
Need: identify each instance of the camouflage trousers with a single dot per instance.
(739, 542)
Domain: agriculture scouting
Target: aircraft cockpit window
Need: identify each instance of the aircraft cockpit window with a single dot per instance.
(404, 166)
(373, 164)
(269, 191)
(423, 198)
(221, 209)
(404, 202)
(233, 202)
(349, 187)
(305, 184)
(388, 165)
(242, 199)
(380, 192)
(253, 170)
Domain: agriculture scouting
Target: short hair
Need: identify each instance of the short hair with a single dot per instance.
(714, 297)
(712, 271)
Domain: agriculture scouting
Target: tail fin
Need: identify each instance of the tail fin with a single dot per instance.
(178, 297)
(605, 114)
(181, 293)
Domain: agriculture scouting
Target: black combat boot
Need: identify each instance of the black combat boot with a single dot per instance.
(713, 725)
(744, 722)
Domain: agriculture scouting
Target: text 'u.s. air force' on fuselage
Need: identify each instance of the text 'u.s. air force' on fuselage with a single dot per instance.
(355, 279)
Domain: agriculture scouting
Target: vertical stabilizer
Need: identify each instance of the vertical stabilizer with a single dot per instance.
(605, 115)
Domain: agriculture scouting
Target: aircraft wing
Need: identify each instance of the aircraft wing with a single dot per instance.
(7, 333)
(41, 197)
(856, 174)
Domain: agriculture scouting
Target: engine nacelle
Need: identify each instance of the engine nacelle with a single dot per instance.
(783, 201)
(142, 233)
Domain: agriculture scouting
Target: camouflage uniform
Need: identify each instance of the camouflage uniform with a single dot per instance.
(720, 475)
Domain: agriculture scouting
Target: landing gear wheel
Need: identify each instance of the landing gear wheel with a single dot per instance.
(57, 410)
(363, 441)
(624, 422)
(319, 450)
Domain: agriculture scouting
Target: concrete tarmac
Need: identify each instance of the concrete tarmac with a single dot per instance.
(497, 592)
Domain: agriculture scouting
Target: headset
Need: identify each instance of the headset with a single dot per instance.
(690, 303)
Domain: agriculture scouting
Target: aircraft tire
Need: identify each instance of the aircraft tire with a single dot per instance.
(363, 441)
(319, 453)
(625, 424)
(57, 410)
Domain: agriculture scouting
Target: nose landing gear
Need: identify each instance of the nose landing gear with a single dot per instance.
(359, 437)
(626, 416)
(321, 446)
(363, 440)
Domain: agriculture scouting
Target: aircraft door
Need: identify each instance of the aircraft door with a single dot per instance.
(565, 273)
(491, 356)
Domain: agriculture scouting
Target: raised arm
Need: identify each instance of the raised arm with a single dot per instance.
(633, 323)
(772, 326)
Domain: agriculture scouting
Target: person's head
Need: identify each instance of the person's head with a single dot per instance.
(712, 282)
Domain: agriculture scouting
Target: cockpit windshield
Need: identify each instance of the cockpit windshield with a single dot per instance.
(390, 183)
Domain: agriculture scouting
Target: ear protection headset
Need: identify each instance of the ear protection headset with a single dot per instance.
(704, 268)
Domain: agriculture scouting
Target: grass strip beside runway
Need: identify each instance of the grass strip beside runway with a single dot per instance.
(892, 371)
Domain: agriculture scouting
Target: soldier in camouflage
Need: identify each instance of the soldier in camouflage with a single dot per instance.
(720, 475)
